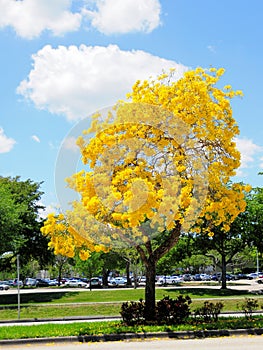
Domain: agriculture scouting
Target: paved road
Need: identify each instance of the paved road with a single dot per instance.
(233, 343)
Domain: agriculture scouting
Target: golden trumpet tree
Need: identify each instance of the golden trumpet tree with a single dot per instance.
(155, 166)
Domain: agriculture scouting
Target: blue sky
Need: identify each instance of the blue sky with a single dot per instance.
(61, 60)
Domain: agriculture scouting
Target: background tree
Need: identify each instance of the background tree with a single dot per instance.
(226, 244)
(157, 166)
(10, 212)
(253, 219)
(21, 223)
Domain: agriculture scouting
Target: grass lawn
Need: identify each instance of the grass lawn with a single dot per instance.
(108, 302)
(108, 295)
(39, 305)
(103, 328)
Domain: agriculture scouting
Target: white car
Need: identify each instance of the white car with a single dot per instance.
(118, 281)
(4, 287)
(169, 280)
(76, 283)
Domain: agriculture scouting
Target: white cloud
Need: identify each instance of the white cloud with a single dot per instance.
(76, 82)
(248, 150)
(48, 209)
(124, 16)
(30, 18)
(6, 143)
(70, 144)
(211, 48)
(35, 138)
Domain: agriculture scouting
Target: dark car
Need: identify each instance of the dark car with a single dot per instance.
(94, 282)
(42, 283)
(197, 277)
(30, 282)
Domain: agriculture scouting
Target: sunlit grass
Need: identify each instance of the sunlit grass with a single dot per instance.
(102, 328)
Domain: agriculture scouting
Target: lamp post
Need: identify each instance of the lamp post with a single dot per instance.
(18, 287)
(257, 264)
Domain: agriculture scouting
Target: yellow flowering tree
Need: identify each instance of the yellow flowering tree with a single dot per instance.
(156, 166)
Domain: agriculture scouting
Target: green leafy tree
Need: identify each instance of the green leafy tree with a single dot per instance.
(253, 219)
(20, 221)
(10, 213)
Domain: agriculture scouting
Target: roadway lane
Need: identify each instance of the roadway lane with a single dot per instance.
(240, 343)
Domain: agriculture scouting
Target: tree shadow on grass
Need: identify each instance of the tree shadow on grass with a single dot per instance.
(34, 297)
(207, 292)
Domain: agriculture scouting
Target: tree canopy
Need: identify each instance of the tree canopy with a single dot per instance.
(155, 167)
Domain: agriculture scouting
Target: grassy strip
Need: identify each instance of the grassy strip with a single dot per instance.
(98, 309)
(103, 328)
(108, 295)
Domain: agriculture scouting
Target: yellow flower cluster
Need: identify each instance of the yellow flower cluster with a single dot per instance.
(164, 158)
(66, 240)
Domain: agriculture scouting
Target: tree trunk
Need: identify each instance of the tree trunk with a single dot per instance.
(150, 289)
(223, 272)
(128, 273)
(105, 274)
(150, 258)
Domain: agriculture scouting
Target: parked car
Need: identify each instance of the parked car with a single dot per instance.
(118, 281)
(42, 282)
(52, 282)
(4, 286)
(205, 277)
(75, 283)
(30, 282)
(141, 281)
(169, 280)
(197, 277)
(255, 274)
(94, 282)
(15, 283)
(187, 277)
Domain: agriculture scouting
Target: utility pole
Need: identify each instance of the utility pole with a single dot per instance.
(18, 287)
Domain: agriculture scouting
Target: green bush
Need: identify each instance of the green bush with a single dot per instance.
(168, 311)
(249, 306)
(209, 311)
(173, 311)
(132, 313)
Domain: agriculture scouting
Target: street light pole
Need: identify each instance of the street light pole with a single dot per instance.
(257, 264)
(18, 287)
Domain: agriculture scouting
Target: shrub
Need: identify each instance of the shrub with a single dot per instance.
(168, 311)
(133, 312)
(173, 311)
(209, 311)
(248, 306)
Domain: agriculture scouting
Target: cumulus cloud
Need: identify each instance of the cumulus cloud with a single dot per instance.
(29, 18)
(6, 143)
(35, 138)
(70, 144)
(124, 16)
(48, 209)
(248, 150)
(77, 81)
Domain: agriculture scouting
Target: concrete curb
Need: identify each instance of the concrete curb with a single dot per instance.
(137, 336)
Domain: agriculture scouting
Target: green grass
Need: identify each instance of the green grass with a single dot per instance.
(96, 309)
(108, 295)
(40, 311)
(103, 328)
(40, 305)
